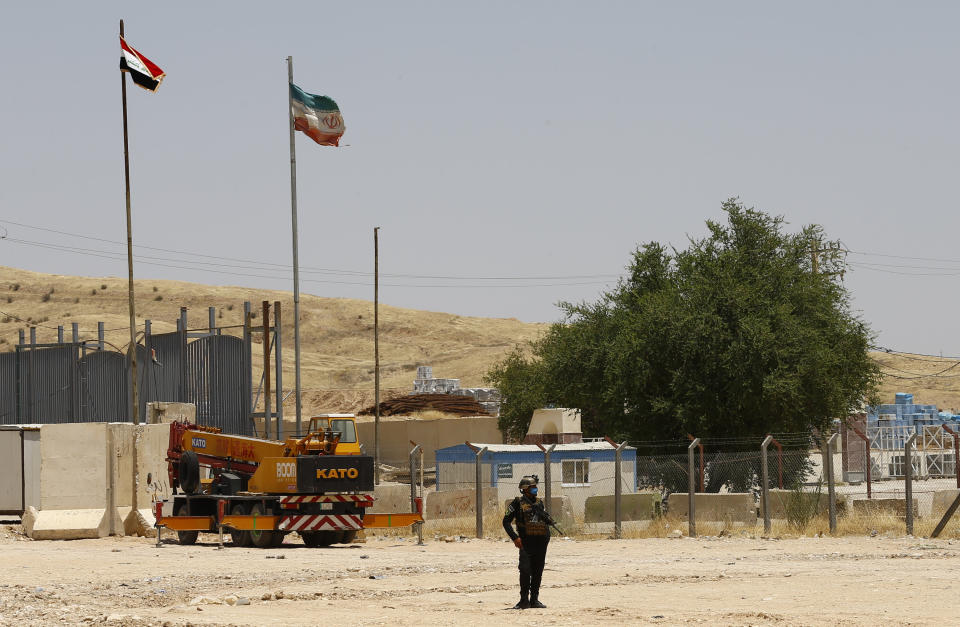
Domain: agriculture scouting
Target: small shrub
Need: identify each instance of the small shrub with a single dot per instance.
(7, 319)
(15, 287)
(801, 507)
(9, 299)
(103, 286)
(220, 315)
(93, 292)
(45, 298)
(229, 307)
(158, 297)
(155, 288)
(77, 299)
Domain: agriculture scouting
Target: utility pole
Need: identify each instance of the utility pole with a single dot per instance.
(832, 252)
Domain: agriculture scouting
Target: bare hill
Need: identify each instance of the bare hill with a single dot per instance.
(336, 333)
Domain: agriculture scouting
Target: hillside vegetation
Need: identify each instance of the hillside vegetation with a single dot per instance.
(337, 335)
(337, 359)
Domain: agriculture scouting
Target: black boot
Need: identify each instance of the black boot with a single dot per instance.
(535, 593)
(523, 603)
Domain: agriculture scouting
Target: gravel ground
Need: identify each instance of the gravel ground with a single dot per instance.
(392, 581)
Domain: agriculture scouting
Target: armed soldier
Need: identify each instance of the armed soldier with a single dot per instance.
(531, 537)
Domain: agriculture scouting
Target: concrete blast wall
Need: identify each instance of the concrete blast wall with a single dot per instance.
(395, 436)
(731, 507)
(86, 481)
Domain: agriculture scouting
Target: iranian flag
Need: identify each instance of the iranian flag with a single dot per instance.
(143, 71)
(317, 116)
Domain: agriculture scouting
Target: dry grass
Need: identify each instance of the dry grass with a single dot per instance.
(661, 527)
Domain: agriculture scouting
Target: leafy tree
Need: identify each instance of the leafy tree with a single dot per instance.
(747, 331)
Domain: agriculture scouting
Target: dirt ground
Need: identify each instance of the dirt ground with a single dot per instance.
(392, 581)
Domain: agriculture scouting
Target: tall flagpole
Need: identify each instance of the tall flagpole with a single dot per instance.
(133, 318)
(296, 263)
(376, 356)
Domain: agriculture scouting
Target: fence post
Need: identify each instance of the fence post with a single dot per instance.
(59, 334)
(831, 488)
(248, 369)
(956, 452)
(618, 492)
(548, 492)
(413, 486)
(480, 453)
(868, 460)
(765, 491)
(908, 476)
(692, 489)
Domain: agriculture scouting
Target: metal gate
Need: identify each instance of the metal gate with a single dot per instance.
(81, 382)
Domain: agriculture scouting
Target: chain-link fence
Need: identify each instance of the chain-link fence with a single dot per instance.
(785, 484)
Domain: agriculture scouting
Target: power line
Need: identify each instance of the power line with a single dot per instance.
(263, 265)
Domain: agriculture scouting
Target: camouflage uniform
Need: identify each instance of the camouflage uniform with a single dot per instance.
(534, 533)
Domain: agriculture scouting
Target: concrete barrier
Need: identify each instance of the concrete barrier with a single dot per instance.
(159, 412)
(66, 524)
(942, 500)
(782, 501)
(634, 506)
(895, 507)
(458, 503)
(390, 498)
(730, 507)
(86, 483)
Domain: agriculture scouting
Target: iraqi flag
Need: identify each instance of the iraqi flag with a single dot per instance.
(317, 116)
(142, 70)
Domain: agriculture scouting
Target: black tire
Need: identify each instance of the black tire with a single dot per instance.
(316, 539)
(261, 539)
(188, 472)
(185, 537)
(240, 538)
(349, 537)
(278, 537)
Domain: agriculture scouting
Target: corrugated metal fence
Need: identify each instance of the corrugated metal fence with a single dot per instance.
(82, 381)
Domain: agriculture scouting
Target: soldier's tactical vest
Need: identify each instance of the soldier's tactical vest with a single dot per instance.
(529, 520)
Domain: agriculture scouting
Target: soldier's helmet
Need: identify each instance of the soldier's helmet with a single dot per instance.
(527, 482)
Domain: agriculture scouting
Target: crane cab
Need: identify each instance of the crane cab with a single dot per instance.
(345, 425)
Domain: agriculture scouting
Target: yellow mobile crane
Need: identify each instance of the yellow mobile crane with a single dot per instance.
(259, 490)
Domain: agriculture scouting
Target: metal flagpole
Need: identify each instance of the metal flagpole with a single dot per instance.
(296, 262)
(133, 318)
(376, 355)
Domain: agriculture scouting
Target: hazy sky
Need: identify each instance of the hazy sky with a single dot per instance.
(514, 154)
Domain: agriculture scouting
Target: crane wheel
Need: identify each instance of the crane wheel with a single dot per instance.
(349, 537)
(240, 538)
(185, 537)
(261, 539)
(188, 472)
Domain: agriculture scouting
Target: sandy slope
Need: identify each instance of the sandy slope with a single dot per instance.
(337, 334)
